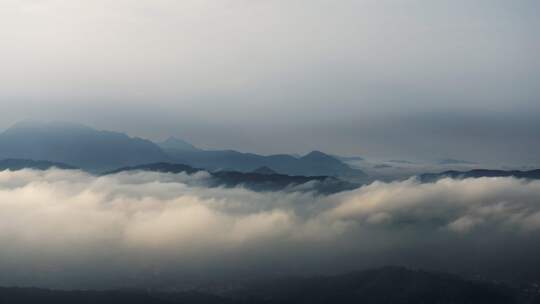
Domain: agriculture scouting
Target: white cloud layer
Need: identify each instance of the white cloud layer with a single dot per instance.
(70, 229)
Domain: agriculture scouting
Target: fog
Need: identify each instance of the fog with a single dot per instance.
(68, 229)
(421, 79)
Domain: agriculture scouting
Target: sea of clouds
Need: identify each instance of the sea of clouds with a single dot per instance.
(70, 229)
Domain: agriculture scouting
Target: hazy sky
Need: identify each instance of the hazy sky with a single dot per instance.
(415, 79)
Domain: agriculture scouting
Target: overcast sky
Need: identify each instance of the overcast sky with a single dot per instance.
(415, 79)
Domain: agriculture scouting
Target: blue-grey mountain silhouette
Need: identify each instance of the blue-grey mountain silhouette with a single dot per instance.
(19, 164)
(313, 164)
(393, 285)
(77, 145)
(431, 177)
(264, 170)
(251, 180)
(98, 151)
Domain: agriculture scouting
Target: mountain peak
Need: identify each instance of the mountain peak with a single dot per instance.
(76, 145)
(314, 155)
(264, 170)
(14, 164)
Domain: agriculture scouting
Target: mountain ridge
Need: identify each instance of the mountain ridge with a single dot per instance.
(264, 170)
(250, 180)
(76, 145)
(392, 284)
(312, 164)
(101, 151)
(14, 164)
(477, 173)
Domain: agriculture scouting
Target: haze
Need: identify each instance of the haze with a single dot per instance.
(409, 79)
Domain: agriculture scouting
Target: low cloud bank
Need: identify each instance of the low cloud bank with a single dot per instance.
(68, 229)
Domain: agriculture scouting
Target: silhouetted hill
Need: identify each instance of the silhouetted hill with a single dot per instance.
(320, 162)
(275, 182)
(44, 296)
(389, 285)
(264, 170)
(157, 167)
(431, 177)
(92, 150)
(253, 181)
(77, 145)
(393, 285)
(19, 164)
(313, 164)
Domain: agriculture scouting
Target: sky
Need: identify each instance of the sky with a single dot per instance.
(414, 79)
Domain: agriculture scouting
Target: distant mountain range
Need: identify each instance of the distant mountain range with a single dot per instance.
(77, 145)
(19, 164)
(99, 151)
(264, 170)
(157, 167)
(312, 164)
(431, 177)
(392, 285)
(252, 180)
(67, 145)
